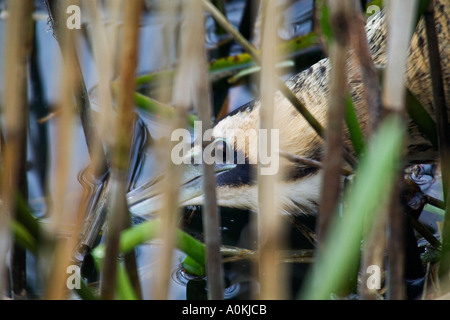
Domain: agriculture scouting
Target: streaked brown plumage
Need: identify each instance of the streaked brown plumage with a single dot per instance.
(301, 190)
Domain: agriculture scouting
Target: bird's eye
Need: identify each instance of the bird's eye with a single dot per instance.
(223, 151)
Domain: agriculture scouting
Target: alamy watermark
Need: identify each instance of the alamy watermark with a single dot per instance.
(373, 9)
(374, 280)
(74, 20)
(223, 150)
(74, 279)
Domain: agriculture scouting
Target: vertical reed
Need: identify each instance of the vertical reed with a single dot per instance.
(18, 37)
(440, 107)
(400, 23)
(57, 17)
(118, 208)
(270, 233)
(373, 253)
(103, 44)
(63, 210)
(182, 98)
(202, 98)
(342, 12)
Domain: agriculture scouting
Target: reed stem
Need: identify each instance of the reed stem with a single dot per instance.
(118, 208)
(210, 212)
(400, 24)
(18, 43)
(443, 131)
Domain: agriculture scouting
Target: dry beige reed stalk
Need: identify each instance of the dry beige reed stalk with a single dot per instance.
(400, 22)
(114, 10)
(272, 275)
(18, 39)
(169, 213)
(64, 204)
(118, 208)
(103, 44)
(211, 219)
(103, 57)
(103, 41)
(182, 101)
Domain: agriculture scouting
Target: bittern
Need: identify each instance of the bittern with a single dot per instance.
(301, 184)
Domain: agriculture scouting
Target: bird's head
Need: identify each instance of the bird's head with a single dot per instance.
(232, 148)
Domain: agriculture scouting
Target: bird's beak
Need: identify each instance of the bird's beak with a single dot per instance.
(146, 200)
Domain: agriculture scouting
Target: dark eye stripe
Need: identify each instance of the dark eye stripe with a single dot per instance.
(242, 174)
